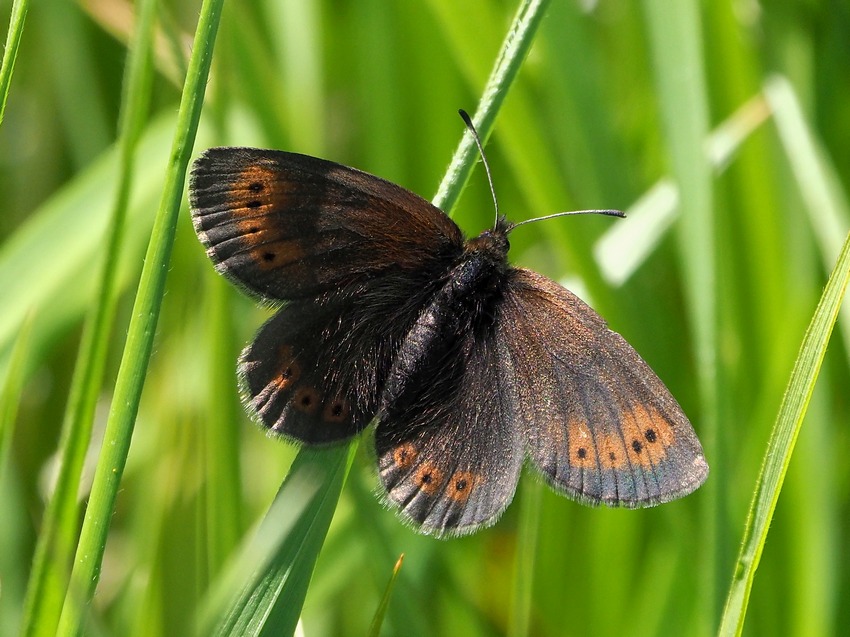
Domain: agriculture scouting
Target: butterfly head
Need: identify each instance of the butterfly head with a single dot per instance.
(492, 244)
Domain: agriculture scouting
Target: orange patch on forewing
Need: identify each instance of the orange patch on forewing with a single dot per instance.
(255, 188)
(336, 411)
(428, 478)
(612, 454)
(460, 486)
(404, 455)
(307, 400)
(276, 254)
(580, 444)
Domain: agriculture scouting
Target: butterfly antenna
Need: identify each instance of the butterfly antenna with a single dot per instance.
(607, 213)
(468, 121)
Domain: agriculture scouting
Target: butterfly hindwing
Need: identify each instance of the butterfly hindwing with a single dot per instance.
(284, 225)
(315, 369)
(450, 461)
(600, 425)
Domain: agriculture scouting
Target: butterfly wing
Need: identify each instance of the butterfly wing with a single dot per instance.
(450, 461)
(600, 424)
(287, 226)
(355, 256)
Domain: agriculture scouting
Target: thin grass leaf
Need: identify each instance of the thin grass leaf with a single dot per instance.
(273, 573)
(10, 53)
(119, 427)
(51, 563)
(378, 619)
(782, 440)
(829, 212)
(10, 393)
(511, 56)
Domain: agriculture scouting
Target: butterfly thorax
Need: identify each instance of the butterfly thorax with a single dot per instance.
(464, 303)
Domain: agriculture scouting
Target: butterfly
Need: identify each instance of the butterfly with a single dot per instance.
(468, 365)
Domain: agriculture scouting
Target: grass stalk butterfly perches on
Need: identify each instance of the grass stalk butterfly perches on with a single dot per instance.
(468, 365)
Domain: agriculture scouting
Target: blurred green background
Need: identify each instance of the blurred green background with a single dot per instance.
(588, 124)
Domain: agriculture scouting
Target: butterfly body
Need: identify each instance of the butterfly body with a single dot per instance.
(465, 302)
(469, 366)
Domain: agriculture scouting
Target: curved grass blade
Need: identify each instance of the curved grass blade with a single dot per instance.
(10, 53)
(782, 441)
(10, 392)
(269, 597)
(512, 53)
(378, 619)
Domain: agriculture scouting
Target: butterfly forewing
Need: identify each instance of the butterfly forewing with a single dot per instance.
(599, 423)
(287, 226)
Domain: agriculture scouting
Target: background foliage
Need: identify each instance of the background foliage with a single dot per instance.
(588, 124)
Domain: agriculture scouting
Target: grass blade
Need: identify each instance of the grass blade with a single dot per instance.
(10, 53)
(49, 576)
(513, 51)
(782, 441)
(119, 428)
(10, 393)
(378, 620)
(270, 596)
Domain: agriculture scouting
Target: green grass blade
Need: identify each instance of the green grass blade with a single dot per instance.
(378, 620)
(10, 393)
(119, 428)
(13, 376)
(826, 204)
(273, 573)
(782, 440)
(54, 548)
(512, 53)
(10, 53)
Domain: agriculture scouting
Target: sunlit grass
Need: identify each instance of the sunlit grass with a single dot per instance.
(714, 282)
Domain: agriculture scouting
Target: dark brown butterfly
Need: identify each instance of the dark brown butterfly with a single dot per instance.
(468, 365)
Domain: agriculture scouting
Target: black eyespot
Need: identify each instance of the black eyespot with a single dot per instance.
(650, 435)
(254, 203)
(582, 453)
(637, 446)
